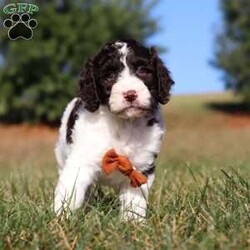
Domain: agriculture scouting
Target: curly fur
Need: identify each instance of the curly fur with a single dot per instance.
(117, 107)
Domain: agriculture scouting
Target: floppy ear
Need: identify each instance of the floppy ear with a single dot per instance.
(88, 89)
(163, 77)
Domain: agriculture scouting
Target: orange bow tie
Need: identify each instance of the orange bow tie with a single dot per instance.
(112, 161)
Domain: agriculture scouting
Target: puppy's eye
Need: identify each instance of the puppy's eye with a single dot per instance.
(142, 71)
(110, 75)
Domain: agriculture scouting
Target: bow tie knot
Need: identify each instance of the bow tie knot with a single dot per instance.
(112, 161)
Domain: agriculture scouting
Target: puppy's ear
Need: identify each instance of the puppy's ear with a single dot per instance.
(88, 88)
(164, 79)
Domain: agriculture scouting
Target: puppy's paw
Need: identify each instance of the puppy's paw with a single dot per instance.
(132, 216)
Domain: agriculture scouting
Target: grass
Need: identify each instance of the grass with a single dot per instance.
(200, 199)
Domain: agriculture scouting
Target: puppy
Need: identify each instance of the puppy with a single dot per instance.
(117, 107)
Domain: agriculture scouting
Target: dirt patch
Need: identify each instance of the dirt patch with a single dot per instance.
(23, 130)
(239, 120)
(21, 143)
(236, 112)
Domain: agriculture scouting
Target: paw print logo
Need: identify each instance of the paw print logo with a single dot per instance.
(20, 26)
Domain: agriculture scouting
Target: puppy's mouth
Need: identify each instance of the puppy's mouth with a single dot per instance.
(133, 111)
(132, 107)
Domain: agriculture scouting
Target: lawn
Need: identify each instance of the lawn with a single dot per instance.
(200, 199)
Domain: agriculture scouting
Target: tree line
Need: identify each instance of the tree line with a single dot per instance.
(37, 76)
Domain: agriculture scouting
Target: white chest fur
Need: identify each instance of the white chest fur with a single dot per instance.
(92, 136)
(96, 133)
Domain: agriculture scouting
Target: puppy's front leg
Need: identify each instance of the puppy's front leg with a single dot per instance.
(71, 188)
(134, 201)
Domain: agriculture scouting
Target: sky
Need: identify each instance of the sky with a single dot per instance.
(188, 29)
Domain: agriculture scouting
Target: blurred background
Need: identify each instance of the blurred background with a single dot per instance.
(205, 44)
(200, 198)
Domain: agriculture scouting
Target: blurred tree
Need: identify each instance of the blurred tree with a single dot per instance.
(38, 76)
(233, 46)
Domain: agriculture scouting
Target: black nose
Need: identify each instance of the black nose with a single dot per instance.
(130, 95)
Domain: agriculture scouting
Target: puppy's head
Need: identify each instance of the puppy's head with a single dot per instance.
(127, 77)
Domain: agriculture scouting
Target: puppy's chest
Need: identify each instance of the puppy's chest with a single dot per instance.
(128, 141)
(138, 142)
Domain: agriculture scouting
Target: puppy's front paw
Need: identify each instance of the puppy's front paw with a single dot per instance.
(133, 216)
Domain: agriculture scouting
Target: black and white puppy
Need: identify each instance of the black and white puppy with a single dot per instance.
(117, 108)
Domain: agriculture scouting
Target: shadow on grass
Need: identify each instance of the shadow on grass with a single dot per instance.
(12, 120)
(231, 108)
(101, 198)
(17, 116)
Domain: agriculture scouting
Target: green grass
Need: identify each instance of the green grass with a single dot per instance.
(200, 199)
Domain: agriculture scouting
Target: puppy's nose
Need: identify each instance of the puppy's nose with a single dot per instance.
(130, 95)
